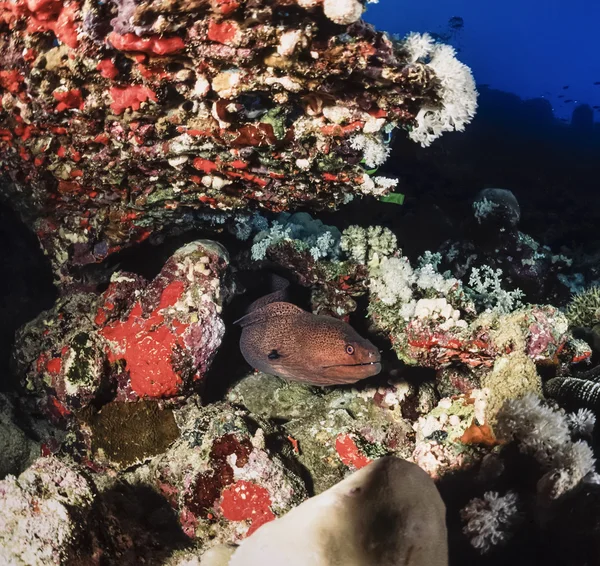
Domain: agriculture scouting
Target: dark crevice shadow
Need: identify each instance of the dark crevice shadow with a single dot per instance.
(26, 285)
(135, 525)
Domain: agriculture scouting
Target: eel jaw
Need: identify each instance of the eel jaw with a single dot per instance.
(376, 362)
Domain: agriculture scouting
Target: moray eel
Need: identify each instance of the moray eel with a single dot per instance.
(281, 339)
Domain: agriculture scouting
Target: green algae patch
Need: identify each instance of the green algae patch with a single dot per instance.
(126, 434)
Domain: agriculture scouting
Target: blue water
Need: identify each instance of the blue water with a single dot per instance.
(530, 48)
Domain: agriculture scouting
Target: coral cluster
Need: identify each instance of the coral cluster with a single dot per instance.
(220, 476)
(544, 433)
(307, 234)
(116, 117)
(434, 320)
(558, 466)
(584, 308)
(336, 431)
(138, 339)
(504, 264)
(491, 520)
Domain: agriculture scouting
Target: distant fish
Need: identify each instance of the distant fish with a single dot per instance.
(597, 83)
(281, 339)
(596, 107)
(561, 96)
(565, 87)
(568, 100)
(456, 23)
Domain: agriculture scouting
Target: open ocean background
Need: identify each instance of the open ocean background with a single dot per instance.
(533, 49)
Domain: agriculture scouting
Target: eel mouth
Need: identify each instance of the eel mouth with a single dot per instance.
(375, 363)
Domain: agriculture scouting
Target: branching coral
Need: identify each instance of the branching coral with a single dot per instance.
(368, 246)
(486, 285)
(303, 232)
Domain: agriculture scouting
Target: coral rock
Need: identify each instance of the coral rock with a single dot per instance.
(43, 514)
(116, 117)
(17, 451)
(152, 340)
(334, 431)
(221, 478)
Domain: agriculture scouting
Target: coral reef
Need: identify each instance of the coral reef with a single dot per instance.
(222, 478)
(125, 124)
(43, 514)
(138, 339)
(110, 129)
(332, 431)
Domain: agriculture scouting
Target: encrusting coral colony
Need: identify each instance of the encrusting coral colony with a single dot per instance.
(123, 121)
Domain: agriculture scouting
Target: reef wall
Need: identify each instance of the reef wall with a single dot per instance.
(120, 118)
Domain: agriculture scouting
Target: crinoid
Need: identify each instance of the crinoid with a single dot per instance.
(579, 390)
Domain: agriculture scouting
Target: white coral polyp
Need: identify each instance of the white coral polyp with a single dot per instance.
(439, 309)
(343, 12)
(418, 46)
(457, 90)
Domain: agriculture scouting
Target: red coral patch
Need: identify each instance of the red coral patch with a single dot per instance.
(349, 452)
(107, 69)
(244, 501)
(68, 99)
(130, 97)
(147, 344)
(153, 44)
(225, 32)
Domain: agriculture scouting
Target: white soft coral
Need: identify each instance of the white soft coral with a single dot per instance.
(491, 520)
(457, 91)
(543, 432)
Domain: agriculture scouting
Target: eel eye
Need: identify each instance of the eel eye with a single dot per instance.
(349, 349)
